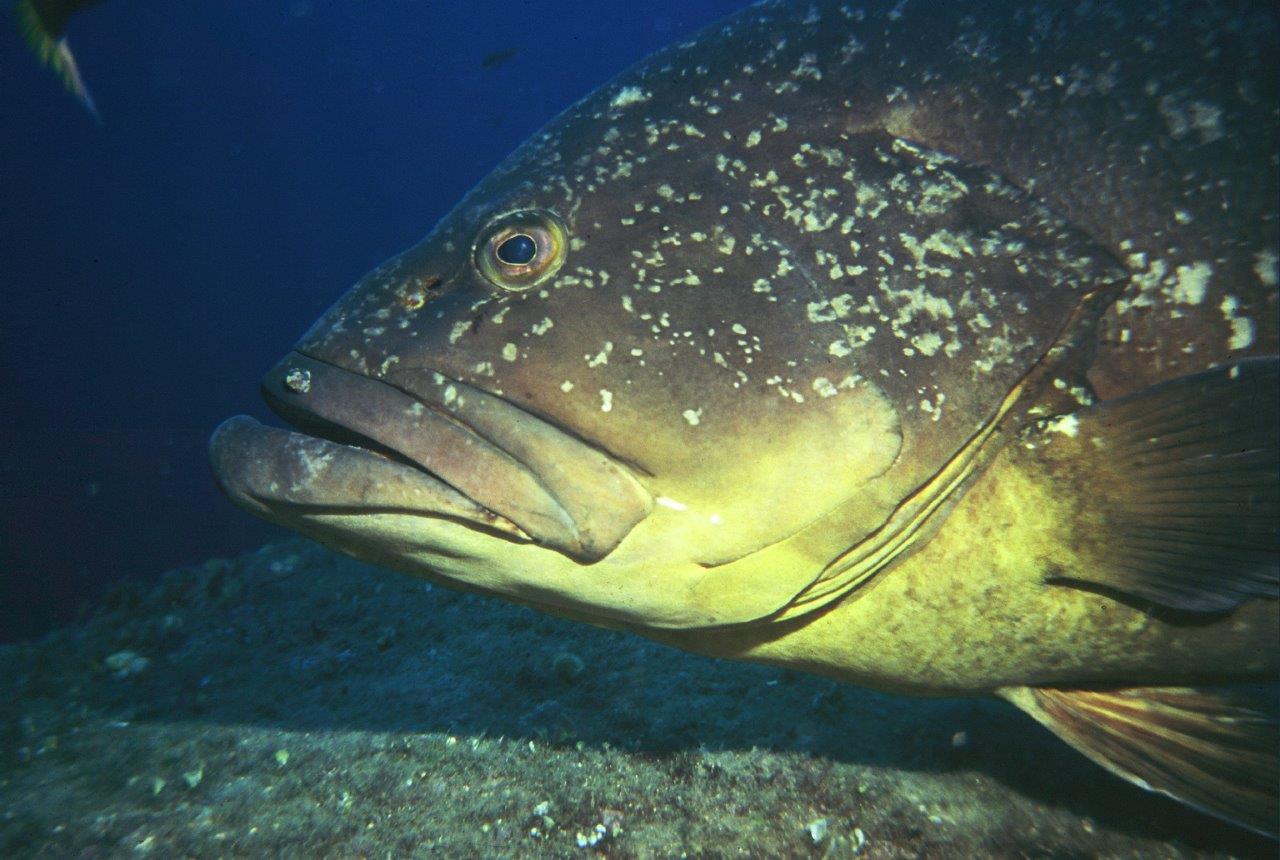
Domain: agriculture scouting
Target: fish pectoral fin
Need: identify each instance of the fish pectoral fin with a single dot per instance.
(1205, 748)
(1178, 489)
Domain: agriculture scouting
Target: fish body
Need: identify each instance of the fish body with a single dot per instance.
(925, 347)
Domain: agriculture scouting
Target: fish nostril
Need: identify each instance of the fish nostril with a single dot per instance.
(414, 296)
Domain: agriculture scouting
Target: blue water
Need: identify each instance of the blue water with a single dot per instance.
(254, 160)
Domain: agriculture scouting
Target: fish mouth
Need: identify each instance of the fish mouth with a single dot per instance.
(424, 445)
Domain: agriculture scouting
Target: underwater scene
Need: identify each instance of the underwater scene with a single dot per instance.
(701, 429)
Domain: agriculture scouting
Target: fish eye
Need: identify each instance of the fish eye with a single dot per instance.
(517, 250)
(521, 249)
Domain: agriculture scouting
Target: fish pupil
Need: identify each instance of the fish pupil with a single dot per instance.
(517, 250)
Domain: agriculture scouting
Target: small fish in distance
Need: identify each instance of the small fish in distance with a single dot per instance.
(43, 23)
(497, 59)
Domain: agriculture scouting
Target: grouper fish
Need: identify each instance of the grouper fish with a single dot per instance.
(925, 346)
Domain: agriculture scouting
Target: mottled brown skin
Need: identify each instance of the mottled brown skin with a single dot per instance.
(813, 252)
(1086, 111)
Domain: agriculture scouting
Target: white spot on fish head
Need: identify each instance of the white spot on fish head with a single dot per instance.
(1242, 327)
(1193, 283)
(1067, 425)
(1265, 265)
(629, 95)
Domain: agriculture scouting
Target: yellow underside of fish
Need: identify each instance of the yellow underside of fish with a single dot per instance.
(971, 612)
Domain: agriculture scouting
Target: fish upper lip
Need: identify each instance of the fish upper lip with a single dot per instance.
(521, 474)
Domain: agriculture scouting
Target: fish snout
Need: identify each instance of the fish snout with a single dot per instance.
(421, 442)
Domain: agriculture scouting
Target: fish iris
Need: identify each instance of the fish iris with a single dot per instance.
(521, 249)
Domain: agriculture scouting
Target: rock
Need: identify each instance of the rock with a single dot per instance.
(817, 829)
(125, 663)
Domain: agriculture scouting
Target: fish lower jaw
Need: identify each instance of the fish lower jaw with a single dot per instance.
(482, 515)
(287, 476)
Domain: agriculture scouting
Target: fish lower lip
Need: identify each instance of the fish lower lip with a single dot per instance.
(479, 454)
(273, 471)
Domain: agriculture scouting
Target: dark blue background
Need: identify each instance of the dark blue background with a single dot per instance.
(255, 158)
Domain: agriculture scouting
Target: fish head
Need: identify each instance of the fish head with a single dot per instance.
(596, 386)
(679, 355)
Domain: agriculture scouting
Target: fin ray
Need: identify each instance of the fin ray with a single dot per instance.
(1181, 489)
(1203, 748)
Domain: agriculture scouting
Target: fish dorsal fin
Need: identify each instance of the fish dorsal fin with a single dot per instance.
(1204, 748)
(917, 516)
(1179, 487)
